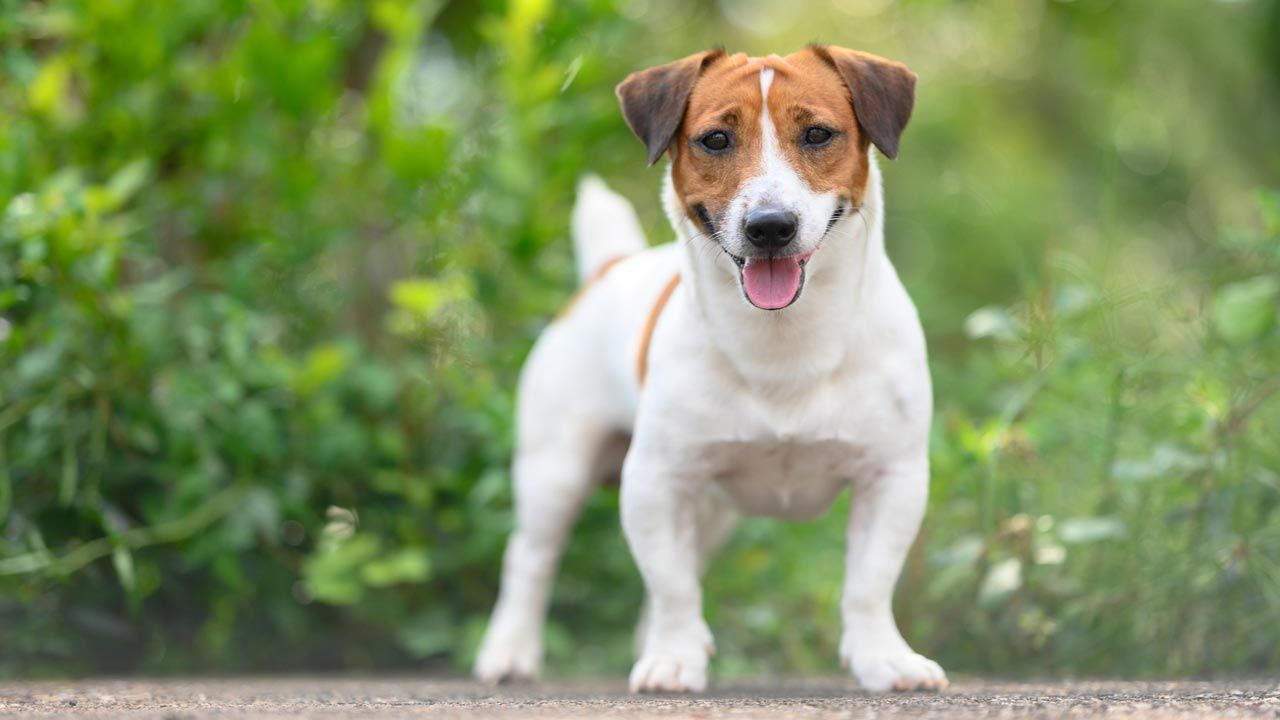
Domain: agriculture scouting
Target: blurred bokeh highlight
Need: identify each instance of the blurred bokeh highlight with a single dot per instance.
(268, 271)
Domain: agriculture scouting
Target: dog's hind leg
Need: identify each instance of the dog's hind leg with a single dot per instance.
(552, 480)
(570, 415)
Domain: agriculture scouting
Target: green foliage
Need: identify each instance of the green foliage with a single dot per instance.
(1246, 311)
(268, 271)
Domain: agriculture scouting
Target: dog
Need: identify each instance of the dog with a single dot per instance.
(760, 365)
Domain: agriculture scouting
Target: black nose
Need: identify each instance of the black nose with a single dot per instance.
(771, 229)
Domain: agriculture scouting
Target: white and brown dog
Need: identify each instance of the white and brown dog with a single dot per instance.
(764, 362)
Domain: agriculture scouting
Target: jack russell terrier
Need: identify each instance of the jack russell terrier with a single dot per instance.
(760, 365)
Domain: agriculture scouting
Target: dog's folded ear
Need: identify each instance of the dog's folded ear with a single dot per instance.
(883, 93)
(654, 100)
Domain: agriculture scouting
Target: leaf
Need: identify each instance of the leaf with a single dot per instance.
(1165, 459)
(1002, 580)
(6, 485)
(991, 322)
(257, 518)
(406, 565)
(70, 475)
(46, 93)
(1071, 300)
(1269, 207)
(424, 297)
(334, 573)
(128, 180)
(964, 551)
(1091, 529)
(122, 559)
(1245, 311)
(324, 364)
(1050, 554)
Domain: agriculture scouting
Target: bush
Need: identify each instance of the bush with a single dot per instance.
(268, 270)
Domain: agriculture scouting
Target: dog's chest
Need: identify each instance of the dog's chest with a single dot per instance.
(786, 478)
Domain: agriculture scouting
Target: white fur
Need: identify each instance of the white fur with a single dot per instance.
(744, 411)
(605, 227)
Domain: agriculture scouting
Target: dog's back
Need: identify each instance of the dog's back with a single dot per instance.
(598, 342)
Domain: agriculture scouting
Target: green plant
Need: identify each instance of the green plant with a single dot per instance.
(268, 271)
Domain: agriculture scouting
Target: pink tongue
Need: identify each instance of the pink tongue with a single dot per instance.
(771, 283)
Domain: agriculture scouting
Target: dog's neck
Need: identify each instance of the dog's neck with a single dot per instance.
(811, 338)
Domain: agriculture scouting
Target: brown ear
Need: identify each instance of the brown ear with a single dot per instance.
(883, 93)
(653, 100)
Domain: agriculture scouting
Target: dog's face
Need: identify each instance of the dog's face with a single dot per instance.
(768, 154)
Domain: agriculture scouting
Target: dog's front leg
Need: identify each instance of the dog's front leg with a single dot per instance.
(886, 514)
(659, 517)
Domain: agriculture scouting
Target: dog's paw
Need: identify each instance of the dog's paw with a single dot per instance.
(509, 654)
(880, 670)
(659, 671)
(673, 665)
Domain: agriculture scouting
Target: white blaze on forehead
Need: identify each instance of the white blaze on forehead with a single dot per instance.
(768, 133)
(777, 179)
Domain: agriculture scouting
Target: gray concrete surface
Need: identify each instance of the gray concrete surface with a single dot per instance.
(384, 697)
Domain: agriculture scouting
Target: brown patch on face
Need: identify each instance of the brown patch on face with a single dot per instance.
(725, 99)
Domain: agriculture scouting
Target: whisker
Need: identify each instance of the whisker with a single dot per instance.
(713, 240)
(866, 252)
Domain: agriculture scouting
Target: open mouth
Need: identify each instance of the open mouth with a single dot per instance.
(772, 283)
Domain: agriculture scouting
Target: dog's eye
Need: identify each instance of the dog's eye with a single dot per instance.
(715, 141)
(817, 136)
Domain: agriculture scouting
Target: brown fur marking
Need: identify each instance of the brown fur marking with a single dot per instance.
(596, 277)
(651, 322)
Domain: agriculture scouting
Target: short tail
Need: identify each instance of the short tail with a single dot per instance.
(605, 227)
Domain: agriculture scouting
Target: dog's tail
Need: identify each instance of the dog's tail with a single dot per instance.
(605, 227)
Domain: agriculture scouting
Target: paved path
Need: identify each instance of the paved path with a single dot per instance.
(383, 697)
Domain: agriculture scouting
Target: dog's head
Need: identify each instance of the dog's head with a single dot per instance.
(768, 154)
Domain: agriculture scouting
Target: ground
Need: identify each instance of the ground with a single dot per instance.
(341, 697)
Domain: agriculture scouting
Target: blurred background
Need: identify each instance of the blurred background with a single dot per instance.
(268, 270)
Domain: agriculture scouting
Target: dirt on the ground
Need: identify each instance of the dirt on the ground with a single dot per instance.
(825, 698)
